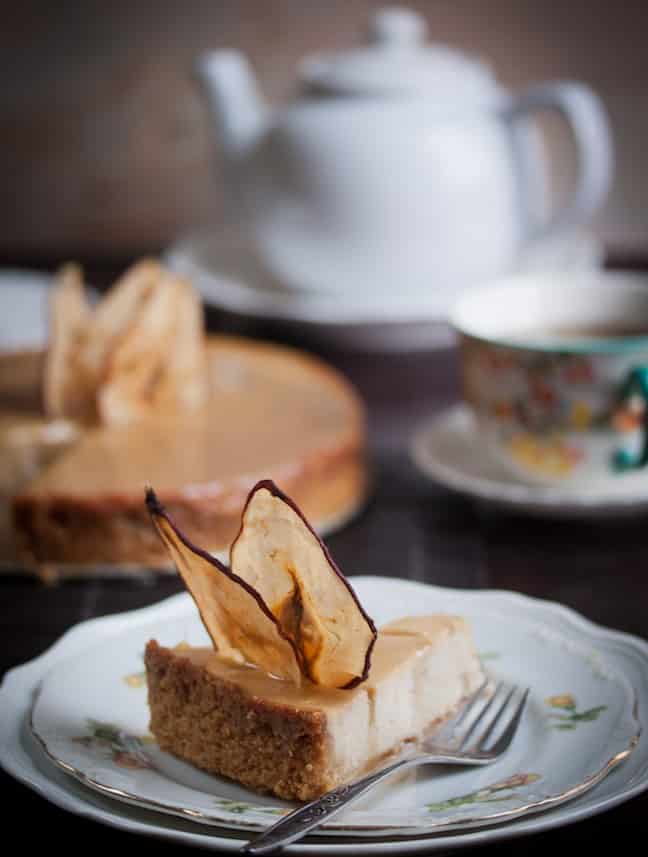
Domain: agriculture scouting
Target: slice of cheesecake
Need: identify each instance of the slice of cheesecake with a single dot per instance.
(300, 692)
(300, 740)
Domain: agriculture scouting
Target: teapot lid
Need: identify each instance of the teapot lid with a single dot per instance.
(398, 61)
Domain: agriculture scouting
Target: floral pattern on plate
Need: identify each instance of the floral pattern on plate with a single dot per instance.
(571, 717)
(111, 743)
(487, 794)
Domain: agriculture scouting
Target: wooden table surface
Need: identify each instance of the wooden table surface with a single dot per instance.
(412, 529)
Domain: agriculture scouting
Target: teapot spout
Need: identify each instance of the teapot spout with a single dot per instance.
(237, 108)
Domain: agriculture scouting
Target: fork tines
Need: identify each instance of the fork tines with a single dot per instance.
(487, 720)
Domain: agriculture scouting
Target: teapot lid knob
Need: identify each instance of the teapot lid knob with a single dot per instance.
(394, 25)
(398, 63)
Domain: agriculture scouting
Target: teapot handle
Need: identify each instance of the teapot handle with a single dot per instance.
(584, 112)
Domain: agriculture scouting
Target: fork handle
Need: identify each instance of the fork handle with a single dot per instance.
(299, 822)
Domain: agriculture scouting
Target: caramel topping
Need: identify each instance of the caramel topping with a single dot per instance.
(262, 416)
(393, 651)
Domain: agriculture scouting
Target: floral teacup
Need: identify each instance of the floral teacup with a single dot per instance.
(555, 368)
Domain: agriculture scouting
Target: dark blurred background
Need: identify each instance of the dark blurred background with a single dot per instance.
(105, 145)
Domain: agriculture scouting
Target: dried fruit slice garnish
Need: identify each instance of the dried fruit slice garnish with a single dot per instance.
(280, 556)
(64, 385)
(137, 366)
(139, 352)
(186, 369)
(236, 617)
(117, 310)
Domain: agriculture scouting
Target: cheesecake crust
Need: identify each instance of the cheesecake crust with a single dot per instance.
(212, 723)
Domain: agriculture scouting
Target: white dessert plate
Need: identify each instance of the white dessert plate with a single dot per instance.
(224, 269)
(578, 751)
(448, 449)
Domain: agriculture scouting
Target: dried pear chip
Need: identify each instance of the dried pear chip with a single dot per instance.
(140, 351)
(236, 617)
(136, 367)
(279, 555)
(66, 387)
(159, 365)
(186, 370)
(116, 312)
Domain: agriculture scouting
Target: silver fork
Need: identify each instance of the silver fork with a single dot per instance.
(478, 734)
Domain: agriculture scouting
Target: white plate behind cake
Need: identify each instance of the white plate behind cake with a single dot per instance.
(581, 717)
(23, 309)
(449, 450)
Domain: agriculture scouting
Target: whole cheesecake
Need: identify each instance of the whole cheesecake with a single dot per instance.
(271, 412)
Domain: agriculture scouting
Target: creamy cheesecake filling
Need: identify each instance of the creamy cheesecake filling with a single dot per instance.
(422, 667)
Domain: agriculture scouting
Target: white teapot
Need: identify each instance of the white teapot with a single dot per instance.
(400, 166)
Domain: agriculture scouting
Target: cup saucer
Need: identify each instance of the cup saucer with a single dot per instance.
(449, 450)
(223, 267)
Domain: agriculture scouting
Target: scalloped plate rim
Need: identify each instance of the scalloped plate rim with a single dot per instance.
(26, 764)
(177, 603)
